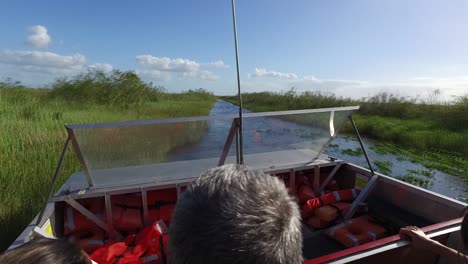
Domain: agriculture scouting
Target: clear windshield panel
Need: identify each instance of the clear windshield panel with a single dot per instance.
(166, 150)
(152, 152)
(282, 140)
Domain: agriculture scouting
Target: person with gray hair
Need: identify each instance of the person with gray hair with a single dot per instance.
(232, 214)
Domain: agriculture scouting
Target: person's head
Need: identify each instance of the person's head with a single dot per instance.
(232, 214)
(46, 250)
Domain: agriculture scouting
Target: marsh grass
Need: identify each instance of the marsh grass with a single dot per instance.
(32, 135)
(411, 123)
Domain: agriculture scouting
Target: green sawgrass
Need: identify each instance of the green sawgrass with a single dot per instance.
(32, 135)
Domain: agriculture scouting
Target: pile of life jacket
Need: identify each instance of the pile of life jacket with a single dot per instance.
(127, 216)
(149, 246)
(322, 211)
(327, 210)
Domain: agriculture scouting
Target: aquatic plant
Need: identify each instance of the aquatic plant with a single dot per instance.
(356, 152)
(412, 179)
(384, 166)
(450, 163)
(425, 173)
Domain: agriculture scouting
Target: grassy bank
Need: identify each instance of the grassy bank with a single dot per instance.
(32, 132)
(405, 122)
(432, 134)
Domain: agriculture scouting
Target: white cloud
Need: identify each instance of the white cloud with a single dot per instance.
(40, 67)
(216, 64)
(164, 69)
(41, 59)
(104, 67)
(39, 37)
(311, 78)
(261, 72)
(167, 64)
(208, 76)
(419, 88)
(154, 75)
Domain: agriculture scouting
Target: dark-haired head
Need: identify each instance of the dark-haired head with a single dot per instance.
(45, 250)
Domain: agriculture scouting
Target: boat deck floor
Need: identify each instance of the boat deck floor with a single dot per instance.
(319, 244)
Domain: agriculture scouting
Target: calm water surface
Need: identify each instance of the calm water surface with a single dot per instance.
(291, 133)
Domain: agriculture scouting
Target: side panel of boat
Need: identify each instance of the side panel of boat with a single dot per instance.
(393, 249)
(415, 200)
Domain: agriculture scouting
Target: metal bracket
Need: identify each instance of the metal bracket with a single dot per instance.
(229, 139)
(330, 177)
(370, 184)
(79, 155)
(88, 214)
(108, 203)
(362, 196)
(362, 145)
(179, 190)
(54, 179)
(144, 198)
(316, 180)
(292, 181)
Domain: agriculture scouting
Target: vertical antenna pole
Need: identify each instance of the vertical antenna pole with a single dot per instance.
(240, 156)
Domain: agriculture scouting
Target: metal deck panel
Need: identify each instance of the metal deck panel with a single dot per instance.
(180, 170)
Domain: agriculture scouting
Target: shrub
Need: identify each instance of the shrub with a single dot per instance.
(116, 88)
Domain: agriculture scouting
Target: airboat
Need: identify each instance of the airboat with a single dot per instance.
(133, 173)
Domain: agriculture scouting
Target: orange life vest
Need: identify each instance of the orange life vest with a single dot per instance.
(356, 231)
(328, 198)
(326, 215)
(332, 212)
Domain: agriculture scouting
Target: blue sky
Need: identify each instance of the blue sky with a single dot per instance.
(349, 48)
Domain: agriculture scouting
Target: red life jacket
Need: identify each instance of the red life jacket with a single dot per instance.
(127, 212)
(149, 246)
(161, 204)
(328, 198)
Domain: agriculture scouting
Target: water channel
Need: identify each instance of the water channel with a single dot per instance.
(211, 143)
